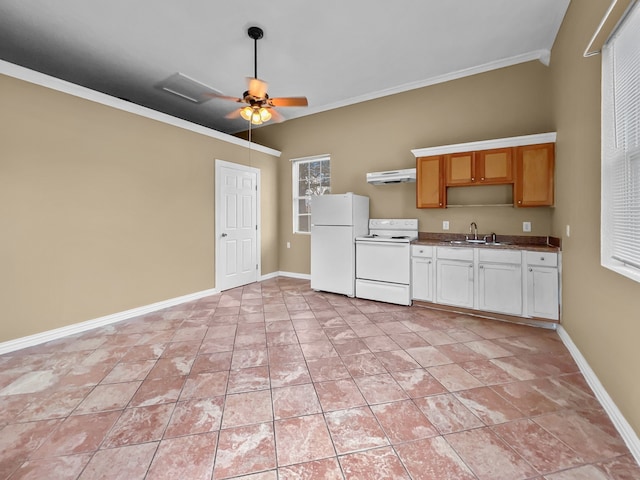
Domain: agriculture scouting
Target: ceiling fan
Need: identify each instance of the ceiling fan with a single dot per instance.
(260, 107)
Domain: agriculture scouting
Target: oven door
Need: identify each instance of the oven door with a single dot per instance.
(383, 261)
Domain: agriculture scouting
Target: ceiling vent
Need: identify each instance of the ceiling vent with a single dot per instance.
(187, 88)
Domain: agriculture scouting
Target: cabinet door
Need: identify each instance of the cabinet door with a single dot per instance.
(460, 169)
(422, 279)
(430, 190)
(500, 288)
(542, 292)
(494, 166)
(534, 175)
(455, 283)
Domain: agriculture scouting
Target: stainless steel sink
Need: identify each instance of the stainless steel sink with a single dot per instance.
(477, 242)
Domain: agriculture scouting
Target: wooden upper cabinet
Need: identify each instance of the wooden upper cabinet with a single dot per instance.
(534, 175)
(494, 166)
(460, 168)
(480, 168)
(430, 189)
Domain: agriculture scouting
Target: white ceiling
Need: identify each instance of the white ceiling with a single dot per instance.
(334, 52)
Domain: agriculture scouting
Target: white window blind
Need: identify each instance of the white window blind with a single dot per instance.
(621, 149)
(311, 176)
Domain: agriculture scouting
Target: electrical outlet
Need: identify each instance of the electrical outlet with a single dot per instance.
(445, 224)
(526, 226)
(288, 244)
(568, 231)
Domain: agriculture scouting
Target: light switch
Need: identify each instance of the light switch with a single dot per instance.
(445, 224)
(526, 226)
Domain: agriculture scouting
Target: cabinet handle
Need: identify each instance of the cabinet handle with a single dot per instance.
(482, 179)
(481, 266)
(542, 259)
(429, 262)
(471, 272)
(224, 234)
(530, 269)
(519, 201)
(473, 179)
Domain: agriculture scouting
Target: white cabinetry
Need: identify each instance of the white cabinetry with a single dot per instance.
(542, 285)
(500, 281)
(455, 276)
(522, 283)
(422, 272)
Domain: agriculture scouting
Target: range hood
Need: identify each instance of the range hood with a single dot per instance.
(392, 176)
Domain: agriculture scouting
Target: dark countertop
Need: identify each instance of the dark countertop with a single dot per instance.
(513, 242)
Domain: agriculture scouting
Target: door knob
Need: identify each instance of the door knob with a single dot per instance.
(224, 234)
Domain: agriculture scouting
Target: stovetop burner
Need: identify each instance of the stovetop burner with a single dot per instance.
(401, 230)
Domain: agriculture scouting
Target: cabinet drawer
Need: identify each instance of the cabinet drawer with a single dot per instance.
(421, 251)
(546, 259)
(462, 253)
(499, 256)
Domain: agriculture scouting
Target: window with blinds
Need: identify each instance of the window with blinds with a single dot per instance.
(621, 148)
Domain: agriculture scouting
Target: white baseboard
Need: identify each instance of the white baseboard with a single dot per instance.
(302, 276)
(624, 429)
(47, 336)
(38, 338)
(269, 276)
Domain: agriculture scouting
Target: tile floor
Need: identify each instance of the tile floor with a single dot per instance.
(275, 381)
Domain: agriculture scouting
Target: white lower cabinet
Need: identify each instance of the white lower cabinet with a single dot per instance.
(542, 285)
(500, 281)
(422, 273)
(511, 282)
(455, 276)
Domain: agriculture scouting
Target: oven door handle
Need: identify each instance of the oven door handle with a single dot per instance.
(378, 243)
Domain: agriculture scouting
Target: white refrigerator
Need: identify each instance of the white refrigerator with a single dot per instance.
(336, 220)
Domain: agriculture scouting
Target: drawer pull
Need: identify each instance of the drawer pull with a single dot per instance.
(542, 259)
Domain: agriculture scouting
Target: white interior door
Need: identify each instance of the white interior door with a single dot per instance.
(237, 234)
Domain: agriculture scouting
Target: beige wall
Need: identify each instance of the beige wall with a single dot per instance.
(601, 310)
(102, 210)
(380, 134)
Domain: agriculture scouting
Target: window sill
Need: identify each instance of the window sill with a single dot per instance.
(621, 269)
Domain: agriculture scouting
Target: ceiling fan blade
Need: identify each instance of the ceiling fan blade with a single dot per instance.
(276, 116)
(223, 97)
(289, 102)
(233, 114)
(257, 87)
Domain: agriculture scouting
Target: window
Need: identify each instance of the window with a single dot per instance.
(311, 177)
(620, 234)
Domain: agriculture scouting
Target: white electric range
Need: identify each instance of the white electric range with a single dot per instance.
(383, 260)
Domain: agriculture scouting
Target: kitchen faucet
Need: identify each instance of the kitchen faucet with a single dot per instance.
(473, 230)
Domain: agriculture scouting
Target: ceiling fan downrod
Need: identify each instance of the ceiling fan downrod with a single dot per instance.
(256, 33)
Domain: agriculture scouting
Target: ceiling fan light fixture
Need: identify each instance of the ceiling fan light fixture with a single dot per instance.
(246, 113)
(265, 114)
(256, 119)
